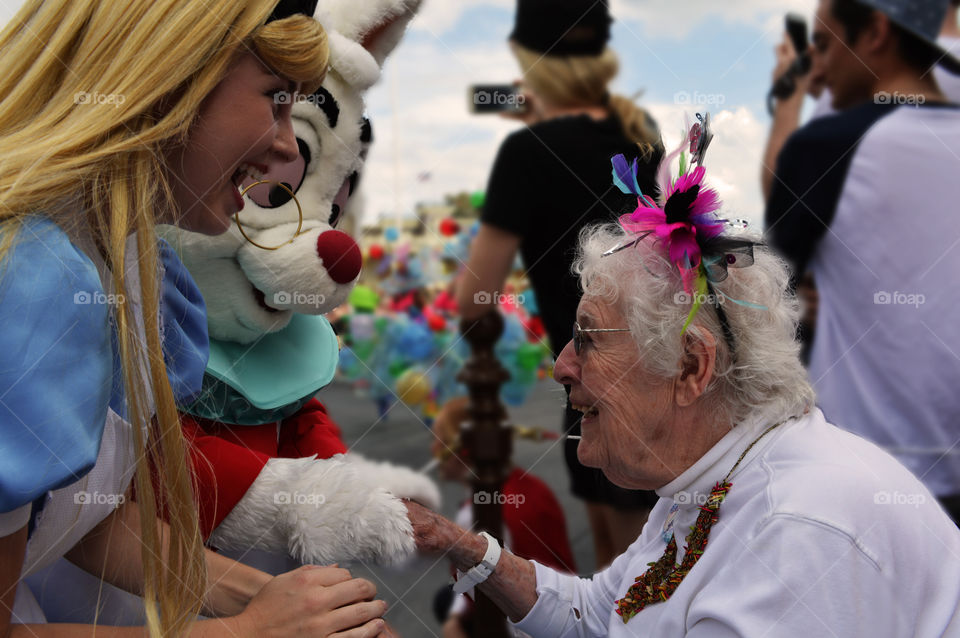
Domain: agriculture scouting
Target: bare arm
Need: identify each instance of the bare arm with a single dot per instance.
(310, 601)
(12, 551)
(491, 256)
(512, 586)
(111, 551)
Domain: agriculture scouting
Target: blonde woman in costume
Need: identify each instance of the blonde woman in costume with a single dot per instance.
(115, 117)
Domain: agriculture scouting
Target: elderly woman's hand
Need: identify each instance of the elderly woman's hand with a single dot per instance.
(435, 534)
(512, 586)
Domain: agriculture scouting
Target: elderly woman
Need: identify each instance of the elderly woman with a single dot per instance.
(684, 363)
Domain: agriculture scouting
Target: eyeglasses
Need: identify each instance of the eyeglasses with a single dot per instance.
(578, 334)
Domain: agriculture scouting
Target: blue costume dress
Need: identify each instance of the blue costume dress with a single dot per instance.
(66, 452)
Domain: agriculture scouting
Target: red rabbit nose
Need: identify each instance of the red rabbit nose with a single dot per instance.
(340, 255)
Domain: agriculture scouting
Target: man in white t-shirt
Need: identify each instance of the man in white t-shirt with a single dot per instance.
(864, 199)
(786, 111)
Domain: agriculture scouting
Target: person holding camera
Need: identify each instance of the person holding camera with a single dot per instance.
(551, 179)
(806, 78)
(863, 200)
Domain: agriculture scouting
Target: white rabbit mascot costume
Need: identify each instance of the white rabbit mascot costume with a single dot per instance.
(272, 471)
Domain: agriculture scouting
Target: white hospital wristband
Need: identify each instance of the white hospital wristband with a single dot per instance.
(482, 570)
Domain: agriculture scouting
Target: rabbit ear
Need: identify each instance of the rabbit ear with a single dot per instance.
(352, 62)
(376, 25)
(384, 35)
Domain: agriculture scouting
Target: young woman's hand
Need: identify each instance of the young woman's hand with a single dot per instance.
(313, 602)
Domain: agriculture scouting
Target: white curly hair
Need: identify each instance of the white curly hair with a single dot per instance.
(762, 376)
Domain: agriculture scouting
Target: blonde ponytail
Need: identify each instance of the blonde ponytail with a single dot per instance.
(638, 126)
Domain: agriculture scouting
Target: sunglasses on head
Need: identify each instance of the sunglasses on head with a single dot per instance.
(578, 334)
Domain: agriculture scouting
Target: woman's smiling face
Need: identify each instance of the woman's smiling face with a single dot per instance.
(242, 128)
(627, 422)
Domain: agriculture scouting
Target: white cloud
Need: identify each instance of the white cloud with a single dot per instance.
(421, 125)
(669, 18)
(439, 16)
(426, 128)
(435, 136)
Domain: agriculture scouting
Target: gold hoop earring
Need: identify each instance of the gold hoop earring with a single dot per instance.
(236, 216)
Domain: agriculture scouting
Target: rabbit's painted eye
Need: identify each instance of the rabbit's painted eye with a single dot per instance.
(335, 216)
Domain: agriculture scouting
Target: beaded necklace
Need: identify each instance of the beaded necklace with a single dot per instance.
(659, 582)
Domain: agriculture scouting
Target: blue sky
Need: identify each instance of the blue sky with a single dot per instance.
(721, 53)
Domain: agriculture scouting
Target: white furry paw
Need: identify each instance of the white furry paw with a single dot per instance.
(321, 512)
(398, 480)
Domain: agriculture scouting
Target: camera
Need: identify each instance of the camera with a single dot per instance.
(786, 84)
(484, 99)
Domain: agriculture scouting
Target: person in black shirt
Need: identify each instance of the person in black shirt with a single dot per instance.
(550, 180)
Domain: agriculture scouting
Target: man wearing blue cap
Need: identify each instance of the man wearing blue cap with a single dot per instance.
(864, 201)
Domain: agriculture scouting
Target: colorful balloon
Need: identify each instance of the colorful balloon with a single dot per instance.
(477, 199)
(449, 227)
(413, 387)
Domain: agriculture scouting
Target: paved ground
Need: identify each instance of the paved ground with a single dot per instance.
(402, 438)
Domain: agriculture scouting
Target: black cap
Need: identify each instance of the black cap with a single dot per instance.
(562, 27)
(287, 8)
(922, 18)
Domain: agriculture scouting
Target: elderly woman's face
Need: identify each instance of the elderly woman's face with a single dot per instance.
(628, 412)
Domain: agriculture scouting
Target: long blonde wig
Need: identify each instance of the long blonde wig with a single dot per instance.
(159, 59)
(582, 80)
